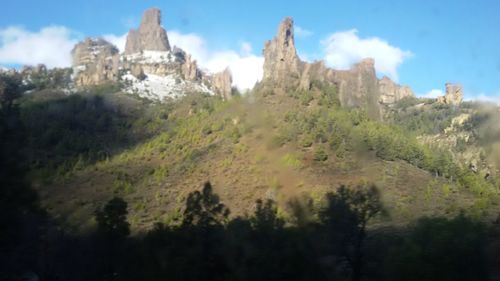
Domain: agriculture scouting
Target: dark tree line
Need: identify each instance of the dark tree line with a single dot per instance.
(331, 242)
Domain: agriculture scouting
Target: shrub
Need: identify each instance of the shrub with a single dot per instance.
(320, 155)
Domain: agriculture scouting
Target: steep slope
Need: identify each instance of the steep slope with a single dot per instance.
(258, 147)
(303, 131)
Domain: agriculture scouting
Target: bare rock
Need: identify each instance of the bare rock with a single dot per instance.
(358, 87)
(222, 83)
(454, 94)
(150, 35)
(284, 71)
(282, 64)
(190, 70)
(94, 62)
(391, 92)
(148, 66)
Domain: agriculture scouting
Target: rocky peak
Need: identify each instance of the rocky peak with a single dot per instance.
(94, 61)
(148, 67)
(150, 36)
(391, 92)
(281, 60)
(454, 94)
(88, 50)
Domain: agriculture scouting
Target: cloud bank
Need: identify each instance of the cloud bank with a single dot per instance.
(343, 49)
(50, 45)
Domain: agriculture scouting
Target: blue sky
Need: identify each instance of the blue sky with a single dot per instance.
(434, 41)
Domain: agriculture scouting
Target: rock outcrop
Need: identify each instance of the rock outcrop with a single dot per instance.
(281, 62)
(94, 62)
(391, 92)
(222, 83)
(150, 36)
(148, 66)
(454, 94)
(357, 87)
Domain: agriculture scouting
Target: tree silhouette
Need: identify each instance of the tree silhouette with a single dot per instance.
(112, 219)
(9, 89)
(346, 215)
(204, 208)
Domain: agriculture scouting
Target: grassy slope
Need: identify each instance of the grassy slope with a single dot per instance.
(248, 150)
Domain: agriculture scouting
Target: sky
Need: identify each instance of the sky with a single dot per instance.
(420, 43)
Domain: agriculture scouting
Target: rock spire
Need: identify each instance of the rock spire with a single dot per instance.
(150, 36)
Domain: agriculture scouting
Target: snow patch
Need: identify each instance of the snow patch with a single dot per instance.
(162, 88)
(149, 57)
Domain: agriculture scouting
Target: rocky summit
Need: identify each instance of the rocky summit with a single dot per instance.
(150, 35)
(95, 61)
(282, 64)
(358, 87)
(148, 67)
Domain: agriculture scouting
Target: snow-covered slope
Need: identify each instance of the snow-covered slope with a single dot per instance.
(162, 88)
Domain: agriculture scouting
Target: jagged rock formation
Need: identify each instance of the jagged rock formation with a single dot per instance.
(222, 82)
(281, 62)
(357, 87)
(95, 61)
(454, 94)
(148, 66)
(391, 92)
(150, 35)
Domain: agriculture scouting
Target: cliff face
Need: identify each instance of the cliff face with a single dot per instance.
(222, 83)
(149, 66)
(391, 92)
(357, 87)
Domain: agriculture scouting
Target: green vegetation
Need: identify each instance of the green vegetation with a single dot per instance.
(84, 148)
(432, 119)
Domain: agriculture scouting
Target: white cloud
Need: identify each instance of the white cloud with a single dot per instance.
(246, 68)
(432, 94)
(117, 40)
(302, 32)
(192, 43)
(50, 45)
(485, 98)
(343, 49)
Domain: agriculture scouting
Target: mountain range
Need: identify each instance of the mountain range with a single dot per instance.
(141, 131)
